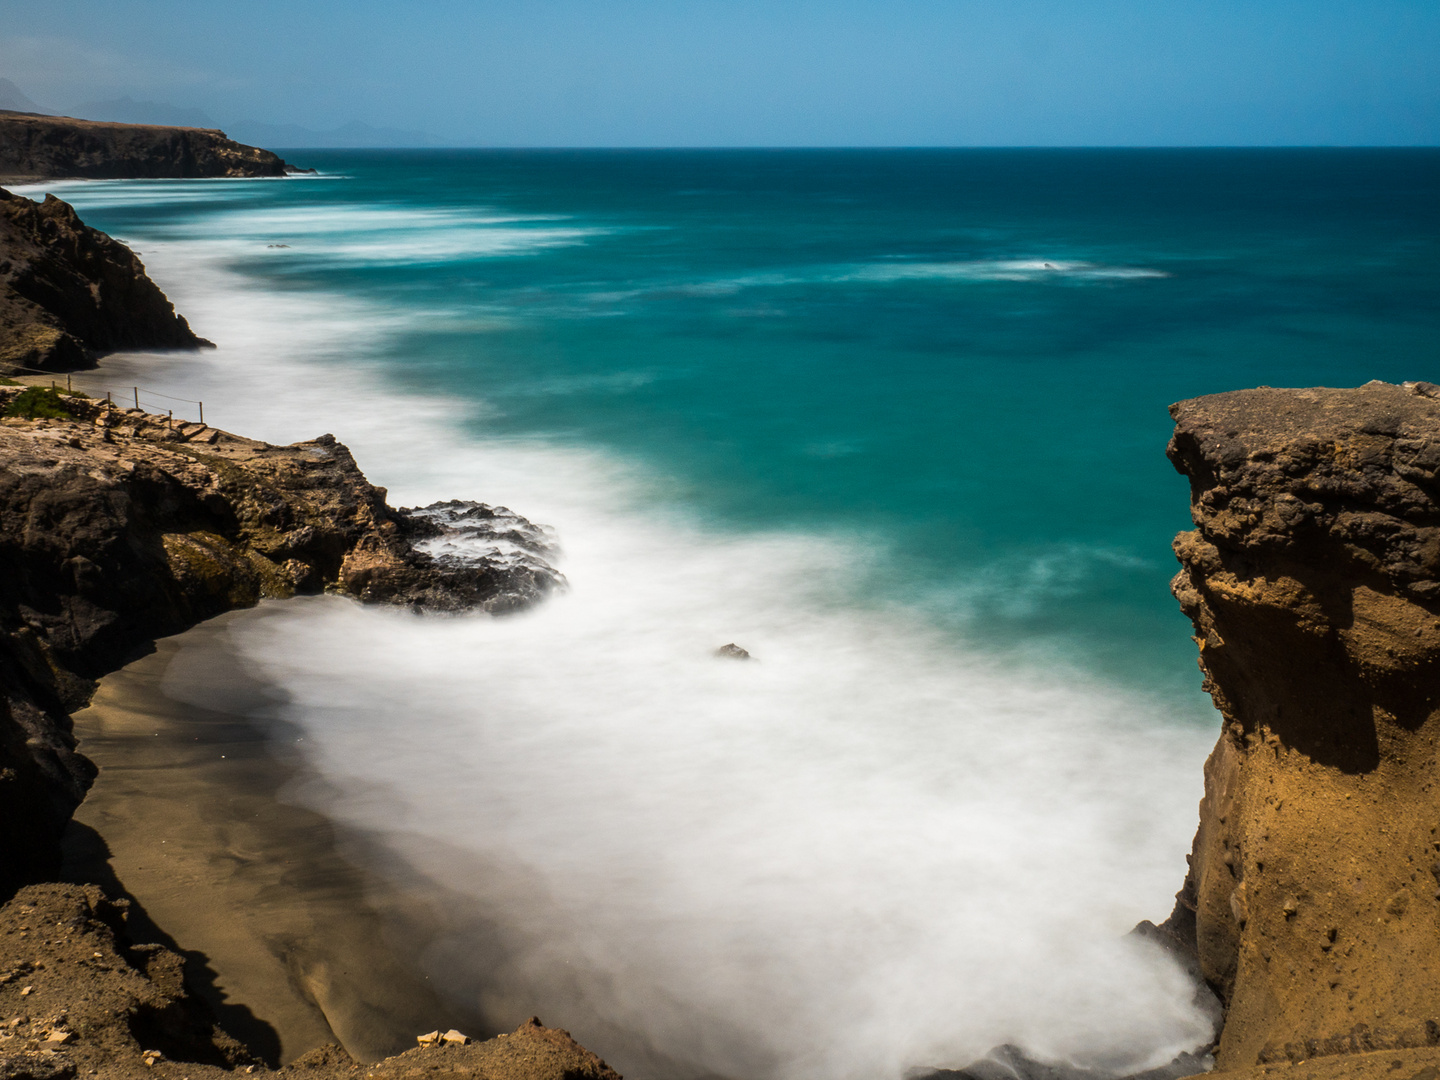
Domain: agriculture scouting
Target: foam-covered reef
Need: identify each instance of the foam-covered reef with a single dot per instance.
(1312, 579)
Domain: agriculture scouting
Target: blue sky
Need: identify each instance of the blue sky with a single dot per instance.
(740, 72)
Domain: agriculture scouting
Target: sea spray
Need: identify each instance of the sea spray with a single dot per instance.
(863, 851)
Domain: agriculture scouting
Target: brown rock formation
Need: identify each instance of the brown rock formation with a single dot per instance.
(68, 291)
(1313, 582)
(77, 999)
(116, 528)
(34, 147)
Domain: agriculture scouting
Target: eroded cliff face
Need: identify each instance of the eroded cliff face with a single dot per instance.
(35, 147)
(1313, 582)
(68, 291)
(117, 528)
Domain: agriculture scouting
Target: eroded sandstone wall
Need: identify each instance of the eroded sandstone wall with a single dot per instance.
(1313, 582)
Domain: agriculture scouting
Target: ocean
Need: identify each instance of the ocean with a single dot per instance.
(893, 421)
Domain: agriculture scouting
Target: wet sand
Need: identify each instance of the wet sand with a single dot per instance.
(293, 943)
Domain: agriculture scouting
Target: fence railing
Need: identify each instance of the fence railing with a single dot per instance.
(137, 394)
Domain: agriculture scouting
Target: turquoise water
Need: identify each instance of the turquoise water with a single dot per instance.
(894, 421)
(869, 341)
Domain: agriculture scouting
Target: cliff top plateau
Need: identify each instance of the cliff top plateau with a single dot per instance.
(1312, 578)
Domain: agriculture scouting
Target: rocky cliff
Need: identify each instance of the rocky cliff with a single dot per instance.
(117, 528)
(1313, 582)
(68, 291)
(34, 147)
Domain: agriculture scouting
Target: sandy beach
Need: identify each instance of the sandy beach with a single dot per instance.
(296, 945)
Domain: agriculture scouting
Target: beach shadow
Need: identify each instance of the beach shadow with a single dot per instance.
(85, 860)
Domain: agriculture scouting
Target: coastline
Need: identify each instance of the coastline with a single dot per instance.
(398, 427)
(219, 851)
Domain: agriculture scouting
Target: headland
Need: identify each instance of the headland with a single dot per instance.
(34, 147)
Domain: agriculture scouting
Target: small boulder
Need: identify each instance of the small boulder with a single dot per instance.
(732, 652)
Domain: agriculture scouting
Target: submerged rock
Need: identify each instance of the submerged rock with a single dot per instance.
(1313, 582)
(732, 652)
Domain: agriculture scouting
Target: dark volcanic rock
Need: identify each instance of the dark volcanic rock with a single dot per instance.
(116, 529)
(466, 555)
(68, 291)
(36, 147)
(1011, 1063)
(1313, 582)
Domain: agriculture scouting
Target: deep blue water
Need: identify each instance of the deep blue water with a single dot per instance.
(967, 354)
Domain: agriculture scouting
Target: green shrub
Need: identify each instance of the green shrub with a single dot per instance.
(74, 393)
(37, 402)
(9, 382)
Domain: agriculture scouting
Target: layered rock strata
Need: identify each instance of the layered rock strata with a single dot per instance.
(117, 527)
(68, 291)
(1312, 579)
(34, 147)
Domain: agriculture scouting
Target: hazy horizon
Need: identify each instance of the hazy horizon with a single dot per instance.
(646, 74)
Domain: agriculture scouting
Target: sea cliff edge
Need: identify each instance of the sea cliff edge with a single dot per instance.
(36, 147)
(1312, 578)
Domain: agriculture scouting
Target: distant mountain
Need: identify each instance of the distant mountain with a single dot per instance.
(127, 110)
(353, 134)
(13, 98)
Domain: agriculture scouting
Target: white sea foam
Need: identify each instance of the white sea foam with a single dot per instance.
(397, 235)
(1035, 271)
(342, 232)
(877, 846)
(999, 270)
